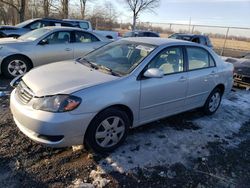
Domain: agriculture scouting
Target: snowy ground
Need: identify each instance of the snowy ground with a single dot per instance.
(186, 150)
(163, 144)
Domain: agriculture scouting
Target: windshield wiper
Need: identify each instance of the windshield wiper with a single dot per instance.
(91, 64)
(97, 66)
(109, 70)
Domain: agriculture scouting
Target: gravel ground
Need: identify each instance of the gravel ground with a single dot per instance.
(221, 161)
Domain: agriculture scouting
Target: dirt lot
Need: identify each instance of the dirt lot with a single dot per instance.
(187, 150)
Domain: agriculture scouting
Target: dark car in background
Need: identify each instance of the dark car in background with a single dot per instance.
(241, 70)
(29, 25)
(200, 39)
(139, 33)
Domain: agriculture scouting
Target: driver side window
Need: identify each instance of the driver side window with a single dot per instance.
(60, 37)
(169, 60)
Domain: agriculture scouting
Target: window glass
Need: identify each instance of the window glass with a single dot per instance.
(196, 40)
(202, 40)
(35, 34)
(121, 56)
(128, 34)
(37, 25)
(85, 37)
(153, 35)
(211, 61)
(169, 60)
(59, 37)
(197, 58)
(84, 25)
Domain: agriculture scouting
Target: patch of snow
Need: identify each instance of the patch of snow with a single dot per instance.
(98, 180)
(164, 145)
(78, 183)
(77, 148)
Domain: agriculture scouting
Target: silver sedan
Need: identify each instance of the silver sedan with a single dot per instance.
(45, 45)
(95, 99)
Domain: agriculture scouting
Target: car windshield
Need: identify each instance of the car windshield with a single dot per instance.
(23, 24)
(119, 57)
(35, 34)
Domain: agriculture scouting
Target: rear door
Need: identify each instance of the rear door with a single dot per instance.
(58, 48)
(164, 96)
(85, 42)
(202, 73)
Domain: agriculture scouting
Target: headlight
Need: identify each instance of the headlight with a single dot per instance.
(57, 103)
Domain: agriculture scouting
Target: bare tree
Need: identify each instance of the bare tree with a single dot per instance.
(18, 5)
(83, 4)
(139, 6)
(65, 8)
(46, 8)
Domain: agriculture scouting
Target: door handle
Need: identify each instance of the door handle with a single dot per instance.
(213, 73)
(68, 49)
(182, 79)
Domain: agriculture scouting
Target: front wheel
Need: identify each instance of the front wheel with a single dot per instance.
(213, 102)
(107, 131)
(15, 65)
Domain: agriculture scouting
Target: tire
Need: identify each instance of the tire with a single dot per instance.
(213, 102)
(15, 65)
(110, 136)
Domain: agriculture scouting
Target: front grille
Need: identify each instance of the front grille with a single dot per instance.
(24, 93)
(246, 79)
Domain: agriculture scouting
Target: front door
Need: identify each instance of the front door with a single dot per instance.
(164, 96)
(57, 48)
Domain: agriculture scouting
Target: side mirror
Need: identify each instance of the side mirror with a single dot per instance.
(43, 42)
(153, 73)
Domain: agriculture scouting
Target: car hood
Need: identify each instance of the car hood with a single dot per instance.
(241, 65)
(11, 40)
(63, 77)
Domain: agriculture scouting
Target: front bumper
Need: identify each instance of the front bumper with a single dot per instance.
(35, 124)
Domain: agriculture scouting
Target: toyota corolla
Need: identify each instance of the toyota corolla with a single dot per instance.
(96, 99)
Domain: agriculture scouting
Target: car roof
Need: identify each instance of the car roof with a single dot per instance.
(188, 34)
(63, 27)
(75, 20)
(157, 41)
(143, 31)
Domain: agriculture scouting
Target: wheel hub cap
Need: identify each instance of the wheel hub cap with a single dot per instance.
(110, 131)
(17, 67)
(214, 101)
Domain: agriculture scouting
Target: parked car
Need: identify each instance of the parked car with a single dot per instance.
(200, 39)
(84, 24)
(241, 70)
(95, 99)
(45, 45)
(29, 25)
(139, 33)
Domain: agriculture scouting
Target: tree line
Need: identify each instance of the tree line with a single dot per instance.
(104, 15)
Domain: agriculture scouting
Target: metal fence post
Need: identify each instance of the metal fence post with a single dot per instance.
(224, 45)
(193, 29)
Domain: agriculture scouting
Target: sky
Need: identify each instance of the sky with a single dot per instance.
(205, 12)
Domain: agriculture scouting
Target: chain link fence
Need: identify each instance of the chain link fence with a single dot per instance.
(227, 41)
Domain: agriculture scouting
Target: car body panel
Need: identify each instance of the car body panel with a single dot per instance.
(148, 99)
(77, 77)
(44, 54)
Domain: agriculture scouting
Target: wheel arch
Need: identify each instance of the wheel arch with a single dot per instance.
(121, 107)
(221, 87)
(20, 55)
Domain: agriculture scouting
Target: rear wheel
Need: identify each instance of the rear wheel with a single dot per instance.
(15, 65)
(213, 102)
(107, 131)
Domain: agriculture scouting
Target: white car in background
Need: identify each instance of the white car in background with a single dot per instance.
(86, 25)
(45, 45)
